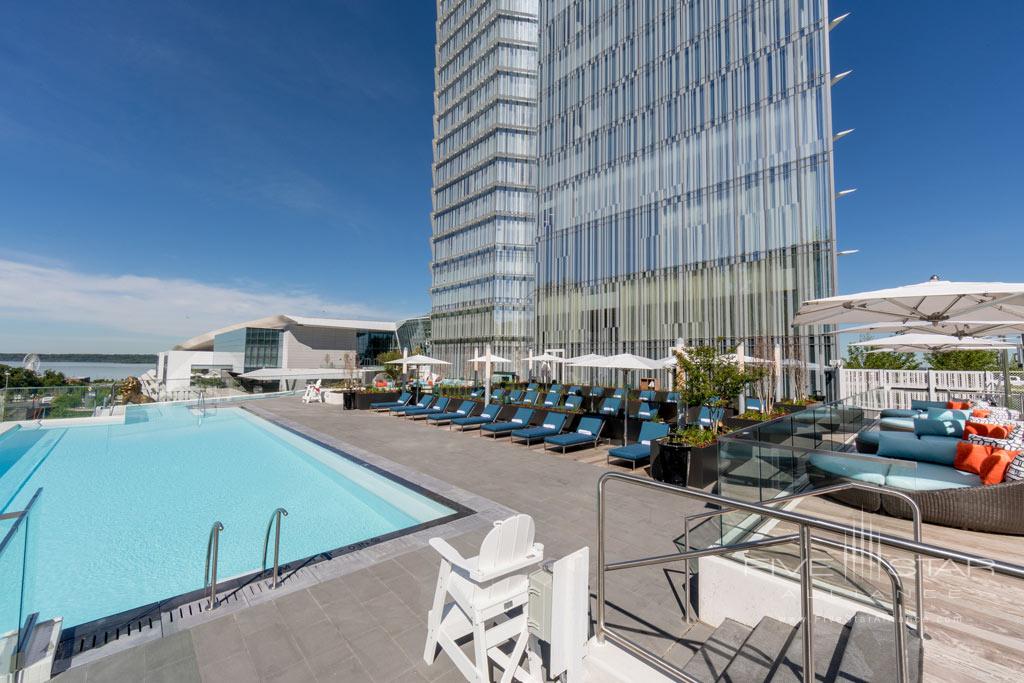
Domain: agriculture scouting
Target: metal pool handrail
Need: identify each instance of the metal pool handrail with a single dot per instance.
(212, 551)
(24, 630)
(806, 524)
(275, 517)
(825, 490)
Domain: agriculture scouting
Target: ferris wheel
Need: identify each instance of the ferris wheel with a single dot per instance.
(31, 362)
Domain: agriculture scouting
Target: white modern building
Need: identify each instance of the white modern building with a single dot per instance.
(288, 342)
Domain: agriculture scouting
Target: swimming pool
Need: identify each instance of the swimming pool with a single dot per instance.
(126, 509)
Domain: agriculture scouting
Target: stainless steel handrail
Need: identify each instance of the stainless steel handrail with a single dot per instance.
(212, 552)
(275, 517)
(24, 630)
(825, 490)
(806, 523)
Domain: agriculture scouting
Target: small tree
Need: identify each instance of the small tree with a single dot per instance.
(709, 376)
(393, 370)
(766, 380)
(963, 360)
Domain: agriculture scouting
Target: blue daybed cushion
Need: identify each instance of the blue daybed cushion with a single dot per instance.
(908, 447)
(945, 414)
(918, 404)
(858, 469)
(939, 427)
(899, 412)
(897, 424)
(929, 477)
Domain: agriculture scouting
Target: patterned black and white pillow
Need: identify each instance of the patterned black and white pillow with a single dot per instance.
(989, 441)
(1015, 471)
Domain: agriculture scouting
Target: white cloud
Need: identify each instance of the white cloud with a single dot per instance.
(142, 306)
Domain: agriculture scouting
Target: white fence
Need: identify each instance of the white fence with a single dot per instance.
(900, 386)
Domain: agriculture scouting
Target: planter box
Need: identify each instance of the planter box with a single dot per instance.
(365, 398)
(334, 398)
(736, 423)
(684, 465)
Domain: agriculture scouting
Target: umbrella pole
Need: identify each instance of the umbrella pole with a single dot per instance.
(1006, 377)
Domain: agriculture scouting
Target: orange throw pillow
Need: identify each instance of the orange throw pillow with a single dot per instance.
(971, 457)
(958, 405)
(978, 412)
(991, 431)
(994, 468)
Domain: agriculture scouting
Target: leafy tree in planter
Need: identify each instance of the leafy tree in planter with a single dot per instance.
(393, 371)
(707, 376)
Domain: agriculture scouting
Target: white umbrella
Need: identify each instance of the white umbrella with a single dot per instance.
(545, 358)
(585, 358)
(419, 360)
(489, 359)
(953, 328)
(932, 301)
(913, 343)
(622, 361)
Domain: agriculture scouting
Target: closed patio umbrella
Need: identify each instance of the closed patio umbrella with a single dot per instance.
(488, 359)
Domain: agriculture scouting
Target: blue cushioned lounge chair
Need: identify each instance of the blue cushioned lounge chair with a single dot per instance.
(647, 395)
(552, 399)
(596, 392)
(439, 406)
(573, 402)
(672, 397)
(556, 388)
(641, 450)
(646, 412)
(610, 406)
(553, 424)
(587, 433)
(515, 396)
(619, 392)
(489, 413)
(754, 404)
(464, 410)
(520, 420)
(575, 390)
(424, 401)
(708, 417)
(532, 386)
(497, 395)
(530, 399)
(388, 405)
(477, 393)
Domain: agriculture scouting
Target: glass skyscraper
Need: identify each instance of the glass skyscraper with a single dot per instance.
(484, 220)
(685, 172)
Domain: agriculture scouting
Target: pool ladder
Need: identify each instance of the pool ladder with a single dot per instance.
(213, 552)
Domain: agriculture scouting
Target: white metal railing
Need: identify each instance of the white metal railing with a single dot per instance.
(934, 383)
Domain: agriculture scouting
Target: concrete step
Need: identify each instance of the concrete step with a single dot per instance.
(718, 650)
(870, 652)
(762, 651)
(829, 638)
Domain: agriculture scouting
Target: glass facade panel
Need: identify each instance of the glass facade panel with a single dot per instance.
(261, 348)
(685, 172)
(372, 343)
(484, 222)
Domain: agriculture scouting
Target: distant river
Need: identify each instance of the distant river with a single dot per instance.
(93, 370)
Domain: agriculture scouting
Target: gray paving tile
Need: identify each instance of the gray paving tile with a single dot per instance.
(216, 640)
(168, 650)
(391, 614)
(365, 585)
(237, 668)
(182, 671)
(348, 671)
(298, 673)
(299, 609)
(272, 651)
(380, 655)
(331, 591)
(322, 645)
(257, 618)
(129, 665)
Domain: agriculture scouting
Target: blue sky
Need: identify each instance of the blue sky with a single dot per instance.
(170, 167)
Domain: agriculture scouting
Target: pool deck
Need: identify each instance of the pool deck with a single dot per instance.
(365, 618)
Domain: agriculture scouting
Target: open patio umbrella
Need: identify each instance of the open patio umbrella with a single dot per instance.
(624, 362)
(545, 358)
(953, 328)
(914, 343)
(933, 301)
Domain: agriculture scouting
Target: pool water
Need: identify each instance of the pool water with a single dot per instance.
(126, 510)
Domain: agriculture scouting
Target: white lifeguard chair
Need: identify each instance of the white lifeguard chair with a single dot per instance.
(495, 583)
(314, 393)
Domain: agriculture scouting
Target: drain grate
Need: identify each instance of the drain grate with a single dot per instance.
(74, 643)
